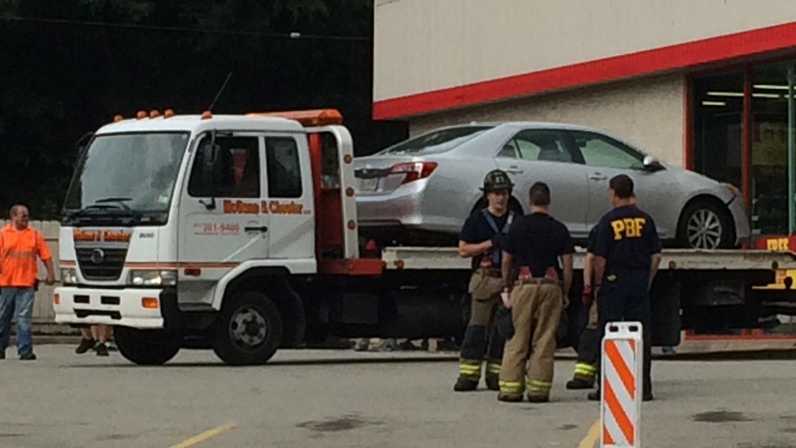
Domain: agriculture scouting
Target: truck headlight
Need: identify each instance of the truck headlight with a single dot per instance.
(69, 276)
(148, 277)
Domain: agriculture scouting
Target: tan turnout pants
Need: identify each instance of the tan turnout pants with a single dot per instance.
(535, 310)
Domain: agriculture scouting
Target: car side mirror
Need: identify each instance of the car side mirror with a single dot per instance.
(652, 164)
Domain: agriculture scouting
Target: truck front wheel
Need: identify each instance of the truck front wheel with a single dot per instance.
(249, 329)
(146, 347)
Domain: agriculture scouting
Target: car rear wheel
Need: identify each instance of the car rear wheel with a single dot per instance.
(706, 225)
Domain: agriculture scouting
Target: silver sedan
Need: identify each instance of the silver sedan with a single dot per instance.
(420, 191)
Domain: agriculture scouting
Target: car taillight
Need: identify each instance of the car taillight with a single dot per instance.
(414, 170)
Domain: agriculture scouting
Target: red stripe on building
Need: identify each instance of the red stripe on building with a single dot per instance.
(668, 58)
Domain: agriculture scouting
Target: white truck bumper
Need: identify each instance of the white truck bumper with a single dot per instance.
(137, 308)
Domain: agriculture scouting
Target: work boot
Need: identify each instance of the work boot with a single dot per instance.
(538, 398)
(579, 383)
(509, 398)
(465, 385)
(594, 396)
(85, 345)
(27, 357)
(492, 382)
(102, 349)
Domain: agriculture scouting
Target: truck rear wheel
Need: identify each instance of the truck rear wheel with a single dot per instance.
(146, 347)
(249, 329)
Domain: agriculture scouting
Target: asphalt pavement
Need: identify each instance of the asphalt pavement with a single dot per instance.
(342, 398)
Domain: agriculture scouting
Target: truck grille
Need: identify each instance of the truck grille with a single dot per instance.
(107, 267)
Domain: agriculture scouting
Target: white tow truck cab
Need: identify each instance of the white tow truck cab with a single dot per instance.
(239, 233)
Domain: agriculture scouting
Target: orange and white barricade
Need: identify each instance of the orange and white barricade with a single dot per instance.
(622, 364)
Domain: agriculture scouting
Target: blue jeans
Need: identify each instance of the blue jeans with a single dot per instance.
(16, 302)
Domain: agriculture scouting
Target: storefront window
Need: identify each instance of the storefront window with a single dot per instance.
(718, 119)
(769, 149)
(719, 136)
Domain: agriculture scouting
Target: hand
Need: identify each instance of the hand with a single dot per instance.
(499, 241)
(505, 297)
(50, 279)
(586, 297)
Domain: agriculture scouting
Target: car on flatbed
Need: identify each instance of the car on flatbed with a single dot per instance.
(420, 190)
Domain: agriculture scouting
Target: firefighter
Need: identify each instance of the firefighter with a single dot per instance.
(626, 258)
(589, 342)
(482, 239)
(535, 243)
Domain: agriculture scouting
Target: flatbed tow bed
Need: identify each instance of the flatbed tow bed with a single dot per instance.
(703, 291)
(444, 258)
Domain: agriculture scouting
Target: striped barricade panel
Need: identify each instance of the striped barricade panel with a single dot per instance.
(621, 367)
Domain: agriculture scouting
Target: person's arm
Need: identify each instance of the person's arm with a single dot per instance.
(468, 250)
(45, 255)
(588, 269)
(654, 263)
(506, 269)
(50, 271)
(568, 272)
(601, 249)
(586, 294)
(506, 266)
(599, 272)
(655, 250)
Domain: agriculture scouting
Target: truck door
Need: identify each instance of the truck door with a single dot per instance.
(221, 218)
(289, 197)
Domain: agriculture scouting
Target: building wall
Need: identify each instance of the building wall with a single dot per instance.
(648, 113)
(426, 45)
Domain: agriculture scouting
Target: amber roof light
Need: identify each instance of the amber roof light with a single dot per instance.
(314, 117)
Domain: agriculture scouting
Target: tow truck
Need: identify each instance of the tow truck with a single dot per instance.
(239, 233)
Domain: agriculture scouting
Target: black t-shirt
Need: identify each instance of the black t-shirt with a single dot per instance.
(536, 241)
(477, 230)
(627, 238)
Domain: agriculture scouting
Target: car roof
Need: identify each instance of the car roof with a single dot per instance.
(536, 125)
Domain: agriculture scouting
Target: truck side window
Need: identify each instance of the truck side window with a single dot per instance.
(235, 173)
(284, 169)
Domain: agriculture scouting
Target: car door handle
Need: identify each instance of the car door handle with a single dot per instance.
(256, 229)
(598, 176)
(514, 170)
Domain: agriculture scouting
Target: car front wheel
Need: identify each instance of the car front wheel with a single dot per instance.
(706, 225)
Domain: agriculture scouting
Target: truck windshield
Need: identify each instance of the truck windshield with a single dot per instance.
(125, 179)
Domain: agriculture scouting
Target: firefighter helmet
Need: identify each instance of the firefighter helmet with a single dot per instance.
(497, 180)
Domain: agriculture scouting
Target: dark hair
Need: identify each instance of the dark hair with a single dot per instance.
(539, 194)
(622, 185)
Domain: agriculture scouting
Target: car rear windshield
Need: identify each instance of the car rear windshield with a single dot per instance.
(436, 141)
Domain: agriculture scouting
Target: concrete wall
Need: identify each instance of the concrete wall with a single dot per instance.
(42, 306)
(646, 112)
(425, 45)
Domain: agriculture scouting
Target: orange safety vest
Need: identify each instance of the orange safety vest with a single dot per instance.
(18, 251)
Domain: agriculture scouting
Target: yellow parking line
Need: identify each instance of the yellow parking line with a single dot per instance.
(199, 438)
(590, 441)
